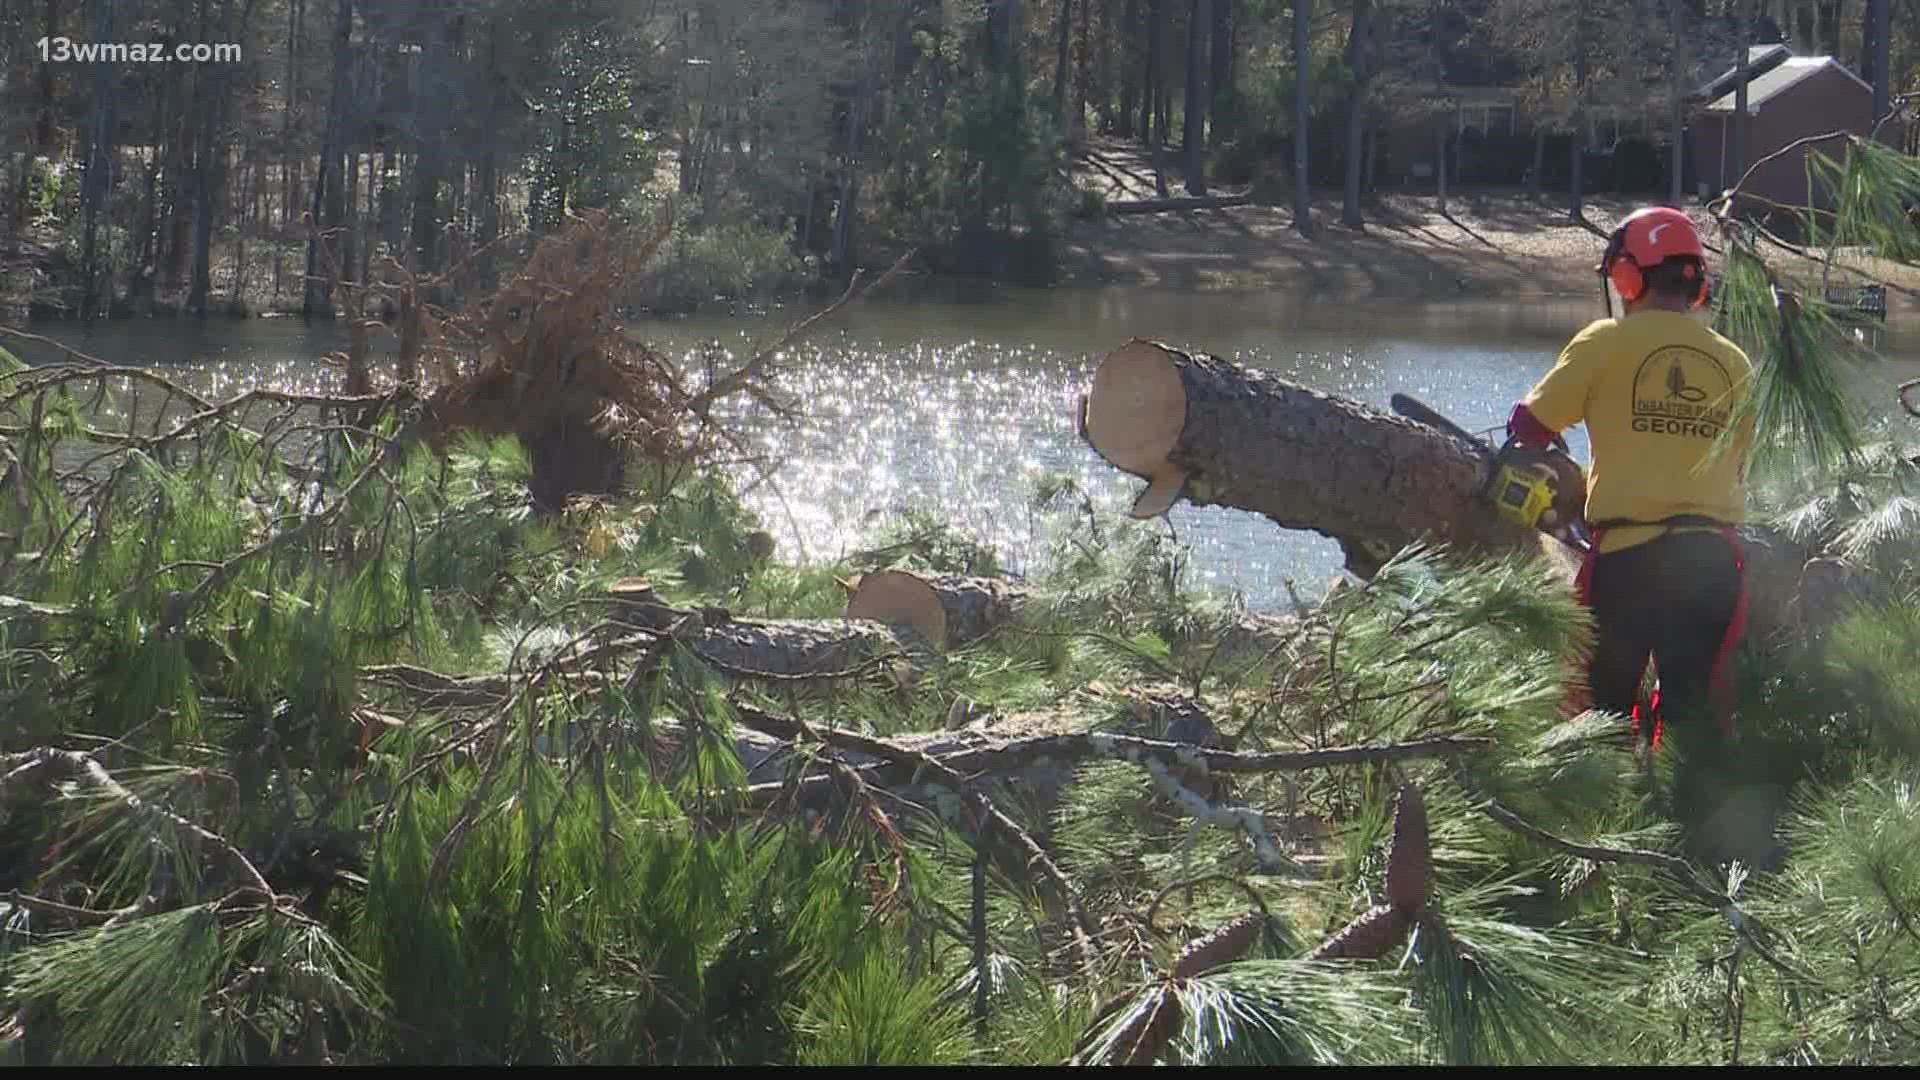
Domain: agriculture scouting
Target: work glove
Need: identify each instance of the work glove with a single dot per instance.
(1524, 429)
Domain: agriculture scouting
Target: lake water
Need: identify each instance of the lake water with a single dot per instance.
(956, 403)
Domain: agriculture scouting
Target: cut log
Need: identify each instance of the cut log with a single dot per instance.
(801, 650)
(1219, 434)
(1177, 203)
(953, 610)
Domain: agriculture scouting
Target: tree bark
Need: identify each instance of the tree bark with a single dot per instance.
(956, 610)
(1063, 39)
(1194, 124)
(1359, 60)
(1129, 38)
(1576, 190)
(97, 184)
(1220, 78)
(1149, 129)
(1218, 434)
(316, 298)
(1880, 22)
(1677, 64)
(1740, 100)
(1302, 129)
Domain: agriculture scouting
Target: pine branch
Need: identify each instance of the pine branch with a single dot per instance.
(47, 766)
(1678, 870)
(1037, 856)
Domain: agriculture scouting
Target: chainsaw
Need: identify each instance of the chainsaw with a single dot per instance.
(1544, 490)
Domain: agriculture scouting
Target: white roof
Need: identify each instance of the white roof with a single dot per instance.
(1792, 71)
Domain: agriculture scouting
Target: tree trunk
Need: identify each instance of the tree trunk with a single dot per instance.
(1083, 64)
(328, 213)
(954, 611)
(1740, 100)
(1220, 79)
(840, 260)
(43, 129)
(1219, 434)
(490, 162)
(1359, 60)
(289, 166)
(1151, 98)
(1576, 190)
(1156, 122)
(1440, 163)
(1063, 39)
(97, 184)
(1302, 129)
(209, 170)
(1536, 176)
(1193, 125)
(1678, 61)
(1129, 37)
(1880, 21)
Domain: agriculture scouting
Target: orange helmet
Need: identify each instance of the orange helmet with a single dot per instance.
(1647, 238)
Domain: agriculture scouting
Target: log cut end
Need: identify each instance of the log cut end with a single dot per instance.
(898, 598)
(1133, 417)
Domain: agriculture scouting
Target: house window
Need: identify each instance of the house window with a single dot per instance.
(1486, 119)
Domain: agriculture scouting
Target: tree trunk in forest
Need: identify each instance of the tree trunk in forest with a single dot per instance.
(490, 163)
(1219, 434)
(1083, 65)
(1302, 128)
(97, 184)
(1063, 40)
(1156, 91)
(329, 212)
(423, 237)
(1880, 24)
(840, 260)
(209, 169)
(1576, 190)
(43, 129)
(1193, 134)
(1537, 174)
(289, 159)
(1220, 78)
(1740, 76)
(1149, 110)
(1360, 61)
(1130, 65)
(1678, 61)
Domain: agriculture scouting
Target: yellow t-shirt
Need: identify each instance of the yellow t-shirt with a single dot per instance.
(1655, 389)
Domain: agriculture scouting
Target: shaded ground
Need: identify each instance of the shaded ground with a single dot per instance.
(1491, 245)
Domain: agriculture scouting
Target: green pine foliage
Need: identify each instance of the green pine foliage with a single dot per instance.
(351, 677)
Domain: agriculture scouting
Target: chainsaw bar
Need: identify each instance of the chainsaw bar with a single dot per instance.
(1421, 413)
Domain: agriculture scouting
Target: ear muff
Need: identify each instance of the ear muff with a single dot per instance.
(1621, 269)
(1701, 288)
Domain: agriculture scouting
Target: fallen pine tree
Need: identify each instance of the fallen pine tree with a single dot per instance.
(398, 771)
(1215, 433)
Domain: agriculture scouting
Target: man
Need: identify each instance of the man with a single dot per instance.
(1656, 388)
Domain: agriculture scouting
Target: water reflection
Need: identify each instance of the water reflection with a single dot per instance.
(956, 403)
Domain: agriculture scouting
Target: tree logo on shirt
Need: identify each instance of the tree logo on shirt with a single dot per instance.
(1680, 390)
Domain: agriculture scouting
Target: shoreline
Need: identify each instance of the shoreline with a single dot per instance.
(1491, 246)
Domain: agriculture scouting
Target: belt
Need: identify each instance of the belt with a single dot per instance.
(1676, 521)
